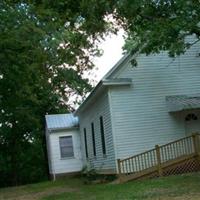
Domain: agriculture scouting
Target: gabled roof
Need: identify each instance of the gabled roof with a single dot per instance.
(101, 86)
(105, 82)
(61, 121)
(116, 66)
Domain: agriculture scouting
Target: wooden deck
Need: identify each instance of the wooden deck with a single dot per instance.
(176, 157)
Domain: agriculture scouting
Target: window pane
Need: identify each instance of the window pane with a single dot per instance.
(66, 141)
(102, 136)
(85, 138)
(66, 146)
(93, 139)
(67, 152)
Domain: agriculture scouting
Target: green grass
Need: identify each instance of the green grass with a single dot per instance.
(175, 187)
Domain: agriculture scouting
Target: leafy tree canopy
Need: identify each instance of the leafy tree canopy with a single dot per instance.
(150, 25)
(46, 45)
(156, 25)
(41, 66)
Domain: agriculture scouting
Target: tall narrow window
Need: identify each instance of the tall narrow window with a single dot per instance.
(102, 136)
(93, 139)
(66, 147)
(85, 138)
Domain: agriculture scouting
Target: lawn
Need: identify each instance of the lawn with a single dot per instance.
(175, 187)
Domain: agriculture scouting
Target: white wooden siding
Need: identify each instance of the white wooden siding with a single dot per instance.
(91, 114)
(48, 150)
(139, 113)
(65, 165)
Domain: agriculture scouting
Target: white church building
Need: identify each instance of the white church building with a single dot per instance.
(129, 111)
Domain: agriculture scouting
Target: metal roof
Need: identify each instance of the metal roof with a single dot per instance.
(182, 102)
(61, 121)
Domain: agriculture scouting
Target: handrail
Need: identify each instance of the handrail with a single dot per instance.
(121, 160)
(158, 155)
(175, 141)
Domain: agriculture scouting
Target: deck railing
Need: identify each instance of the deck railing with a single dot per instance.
(160, 154)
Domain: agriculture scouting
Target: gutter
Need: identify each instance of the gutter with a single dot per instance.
(62, 129)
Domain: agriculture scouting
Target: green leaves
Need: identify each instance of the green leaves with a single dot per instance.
(46, 46)
(38, 76)
(160, 25)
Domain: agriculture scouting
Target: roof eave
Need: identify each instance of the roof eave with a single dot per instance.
(93, 92)
(103, 84)
(116, 66)
(177, 103)
(62, 129)
(120, 81)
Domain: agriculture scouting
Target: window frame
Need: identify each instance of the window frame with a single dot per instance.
(64, 146)
(191, 117)
(103, 142)
(85, 142)
(93, 139)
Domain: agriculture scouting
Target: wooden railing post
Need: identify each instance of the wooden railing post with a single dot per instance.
(198, 142)
(160, 171)
(119, 170)
(198, 145)
(195, 143)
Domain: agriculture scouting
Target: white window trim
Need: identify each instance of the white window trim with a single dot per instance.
(67, 157)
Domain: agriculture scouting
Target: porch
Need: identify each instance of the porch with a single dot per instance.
(177, 157)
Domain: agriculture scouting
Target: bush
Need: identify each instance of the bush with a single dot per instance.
(91, 176)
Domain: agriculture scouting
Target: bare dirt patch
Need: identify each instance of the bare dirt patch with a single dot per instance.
(38, 195)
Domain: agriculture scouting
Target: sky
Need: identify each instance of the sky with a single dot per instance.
(112, 48)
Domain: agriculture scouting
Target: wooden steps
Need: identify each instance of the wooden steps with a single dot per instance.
(176, 157)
